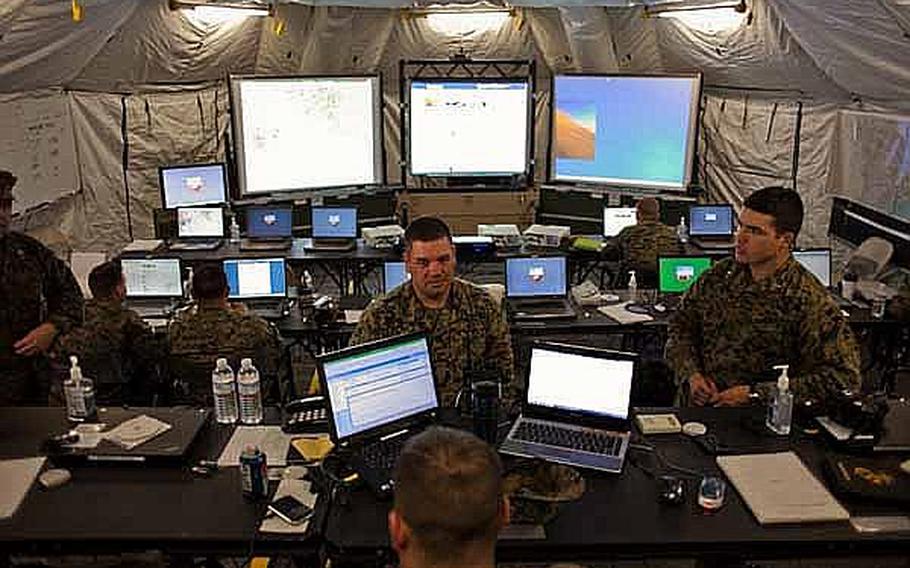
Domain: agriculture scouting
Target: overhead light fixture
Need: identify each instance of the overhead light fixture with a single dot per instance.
(709, 16)
(218, 11)
(463, 19)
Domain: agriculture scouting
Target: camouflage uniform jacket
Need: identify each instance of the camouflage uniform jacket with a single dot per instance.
(640, 245)
(733, 329)
(201, 335)
(468, 334)
(35, 287)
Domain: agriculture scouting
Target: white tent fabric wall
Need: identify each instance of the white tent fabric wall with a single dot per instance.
(172, 72)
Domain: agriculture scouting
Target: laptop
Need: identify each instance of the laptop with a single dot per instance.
(154, 286)
(576, 408)
(618, 218)
(536, 288)
(334, 229)
(394, 273)
(192, 185)
(379, 394)
(677, 273)
(267, 228)
(711, 226)
(260, 283)
(199, 228)
(817, 261)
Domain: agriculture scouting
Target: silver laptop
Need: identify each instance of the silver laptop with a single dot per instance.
(536, 288)
(154, 286)
(576, 408)
(259, 282)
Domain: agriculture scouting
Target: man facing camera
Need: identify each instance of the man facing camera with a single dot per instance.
(760, 309)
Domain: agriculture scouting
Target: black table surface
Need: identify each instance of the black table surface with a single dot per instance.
(619, 515)
(116, 508)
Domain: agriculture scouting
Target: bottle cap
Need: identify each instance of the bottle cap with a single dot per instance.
(221, 362)
(246, 362)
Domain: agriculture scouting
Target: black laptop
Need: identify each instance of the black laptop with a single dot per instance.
(259, 282)
(379, 395)
(334, 229)
(576, 408)
(154, 286)
(268, 228)
(536, 288)
(711, 226)
(199, 228)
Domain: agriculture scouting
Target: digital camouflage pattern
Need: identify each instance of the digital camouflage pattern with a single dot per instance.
(199, 336)
(639, 246)
(35, 287)
(468, 335)
(733, 330)
(116, 349)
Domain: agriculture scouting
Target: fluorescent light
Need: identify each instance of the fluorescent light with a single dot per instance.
(463, 23)
(216, 12)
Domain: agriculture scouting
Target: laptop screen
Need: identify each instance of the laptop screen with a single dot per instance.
(152, 277)
(200, 222)
(334, 222)
(678, 273)
(618, 218)
(530, 277)
(373, 387)
(585, 383)
(711, 220)
(192, 185)
(268, 222)
(394, 274)
(255, 278)
(816, 261)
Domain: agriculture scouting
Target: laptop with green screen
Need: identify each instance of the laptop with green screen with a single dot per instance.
(678, 273)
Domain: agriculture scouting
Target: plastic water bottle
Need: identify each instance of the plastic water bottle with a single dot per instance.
(682, 232)
(234, 230)
(223, 391)
(249, 394)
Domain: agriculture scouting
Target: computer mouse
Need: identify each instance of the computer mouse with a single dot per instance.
(671, 490)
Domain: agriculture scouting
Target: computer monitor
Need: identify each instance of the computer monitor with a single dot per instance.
(678, 273)
(255, 278)
(375, 384)
(152, 277)
(198, 184)
(268, 222)
(540, 276)
(618, 218)
(394, 274)
(200, 222)
(334, 222)
(818, 262)
(711, 220)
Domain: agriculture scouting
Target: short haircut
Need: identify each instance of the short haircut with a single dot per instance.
(781, 203)
(425, 229)
(448, 489)
(209, 282)
(648, 209)
(104, 278)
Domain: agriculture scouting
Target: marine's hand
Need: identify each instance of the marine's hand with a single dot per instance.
(37, 340)
(702, 390)
(733, 396)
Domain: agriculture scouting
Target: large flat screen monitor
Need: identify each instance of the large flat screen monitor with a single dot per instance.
(468, 127)
(296, 133)
(635, 131)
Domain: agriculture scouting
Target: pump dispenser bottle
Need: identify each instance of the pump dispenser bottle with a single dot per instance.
(780, 408)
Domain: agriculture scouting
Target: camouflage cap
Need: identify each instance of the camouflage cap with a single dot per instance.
(7, 182)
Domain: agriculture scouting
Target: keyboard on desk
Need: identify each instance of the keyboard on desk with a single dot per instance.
(195, 245)
(571, 437)
(376, 461)
(267, 310)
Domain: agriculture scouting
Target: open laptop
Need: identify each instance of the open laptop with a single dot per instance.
(618, 218)
(334, 228)
(154, 286)
(394, 273)
(259, 283)
(711, 226)
(199, 228)
(817, 261)
(677, 273)
(267, 228)
(379, 394)
(192, 185)
(576, 408)
(536, 288)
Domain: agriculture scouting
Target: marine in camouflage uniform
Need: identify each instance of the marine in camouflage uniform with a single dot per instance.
(468, 334)
(204, 333)
(639, 246)
(734, 329)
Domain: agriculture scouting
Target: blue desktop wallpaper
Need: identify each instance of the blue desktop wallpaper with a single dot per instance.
(195, 185)
(323, 226)
(268, 222)
(545, 276)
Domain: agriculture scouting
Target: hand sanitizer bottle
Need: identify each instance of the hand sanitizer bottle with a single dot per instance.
(79, 393)
(234, 230)
(780, 409)
(633, 287)
(682, 232)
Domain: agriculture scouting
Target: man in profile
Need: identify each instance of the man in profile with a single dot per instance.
(449, 501)
(760, 309)
(639, 246)
(468, 333)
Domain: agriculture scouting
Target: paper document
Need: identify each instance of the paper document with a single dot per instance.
(136, 431)
(778, 488)
(270, 439)
(18, 476)
(622, 315)
(299, 489)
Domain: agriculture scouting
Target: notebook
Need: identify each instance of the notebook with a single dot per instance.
(576, 408)
(379, 395)
(267, 228)
(394, 274)
(711, 226)
(199, 228)
(536, 288)
(154, 286)
(618, 218)
(259, 282)
(817, 261)
(334, 228)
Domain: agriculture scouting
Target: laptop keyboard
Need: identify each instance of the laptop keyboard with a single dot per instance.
(591, 441)
(382, 454)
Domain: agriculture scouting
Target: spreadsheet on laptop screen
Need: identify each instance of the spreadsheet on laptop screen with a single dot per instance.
(152, 277)
(618, 218)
